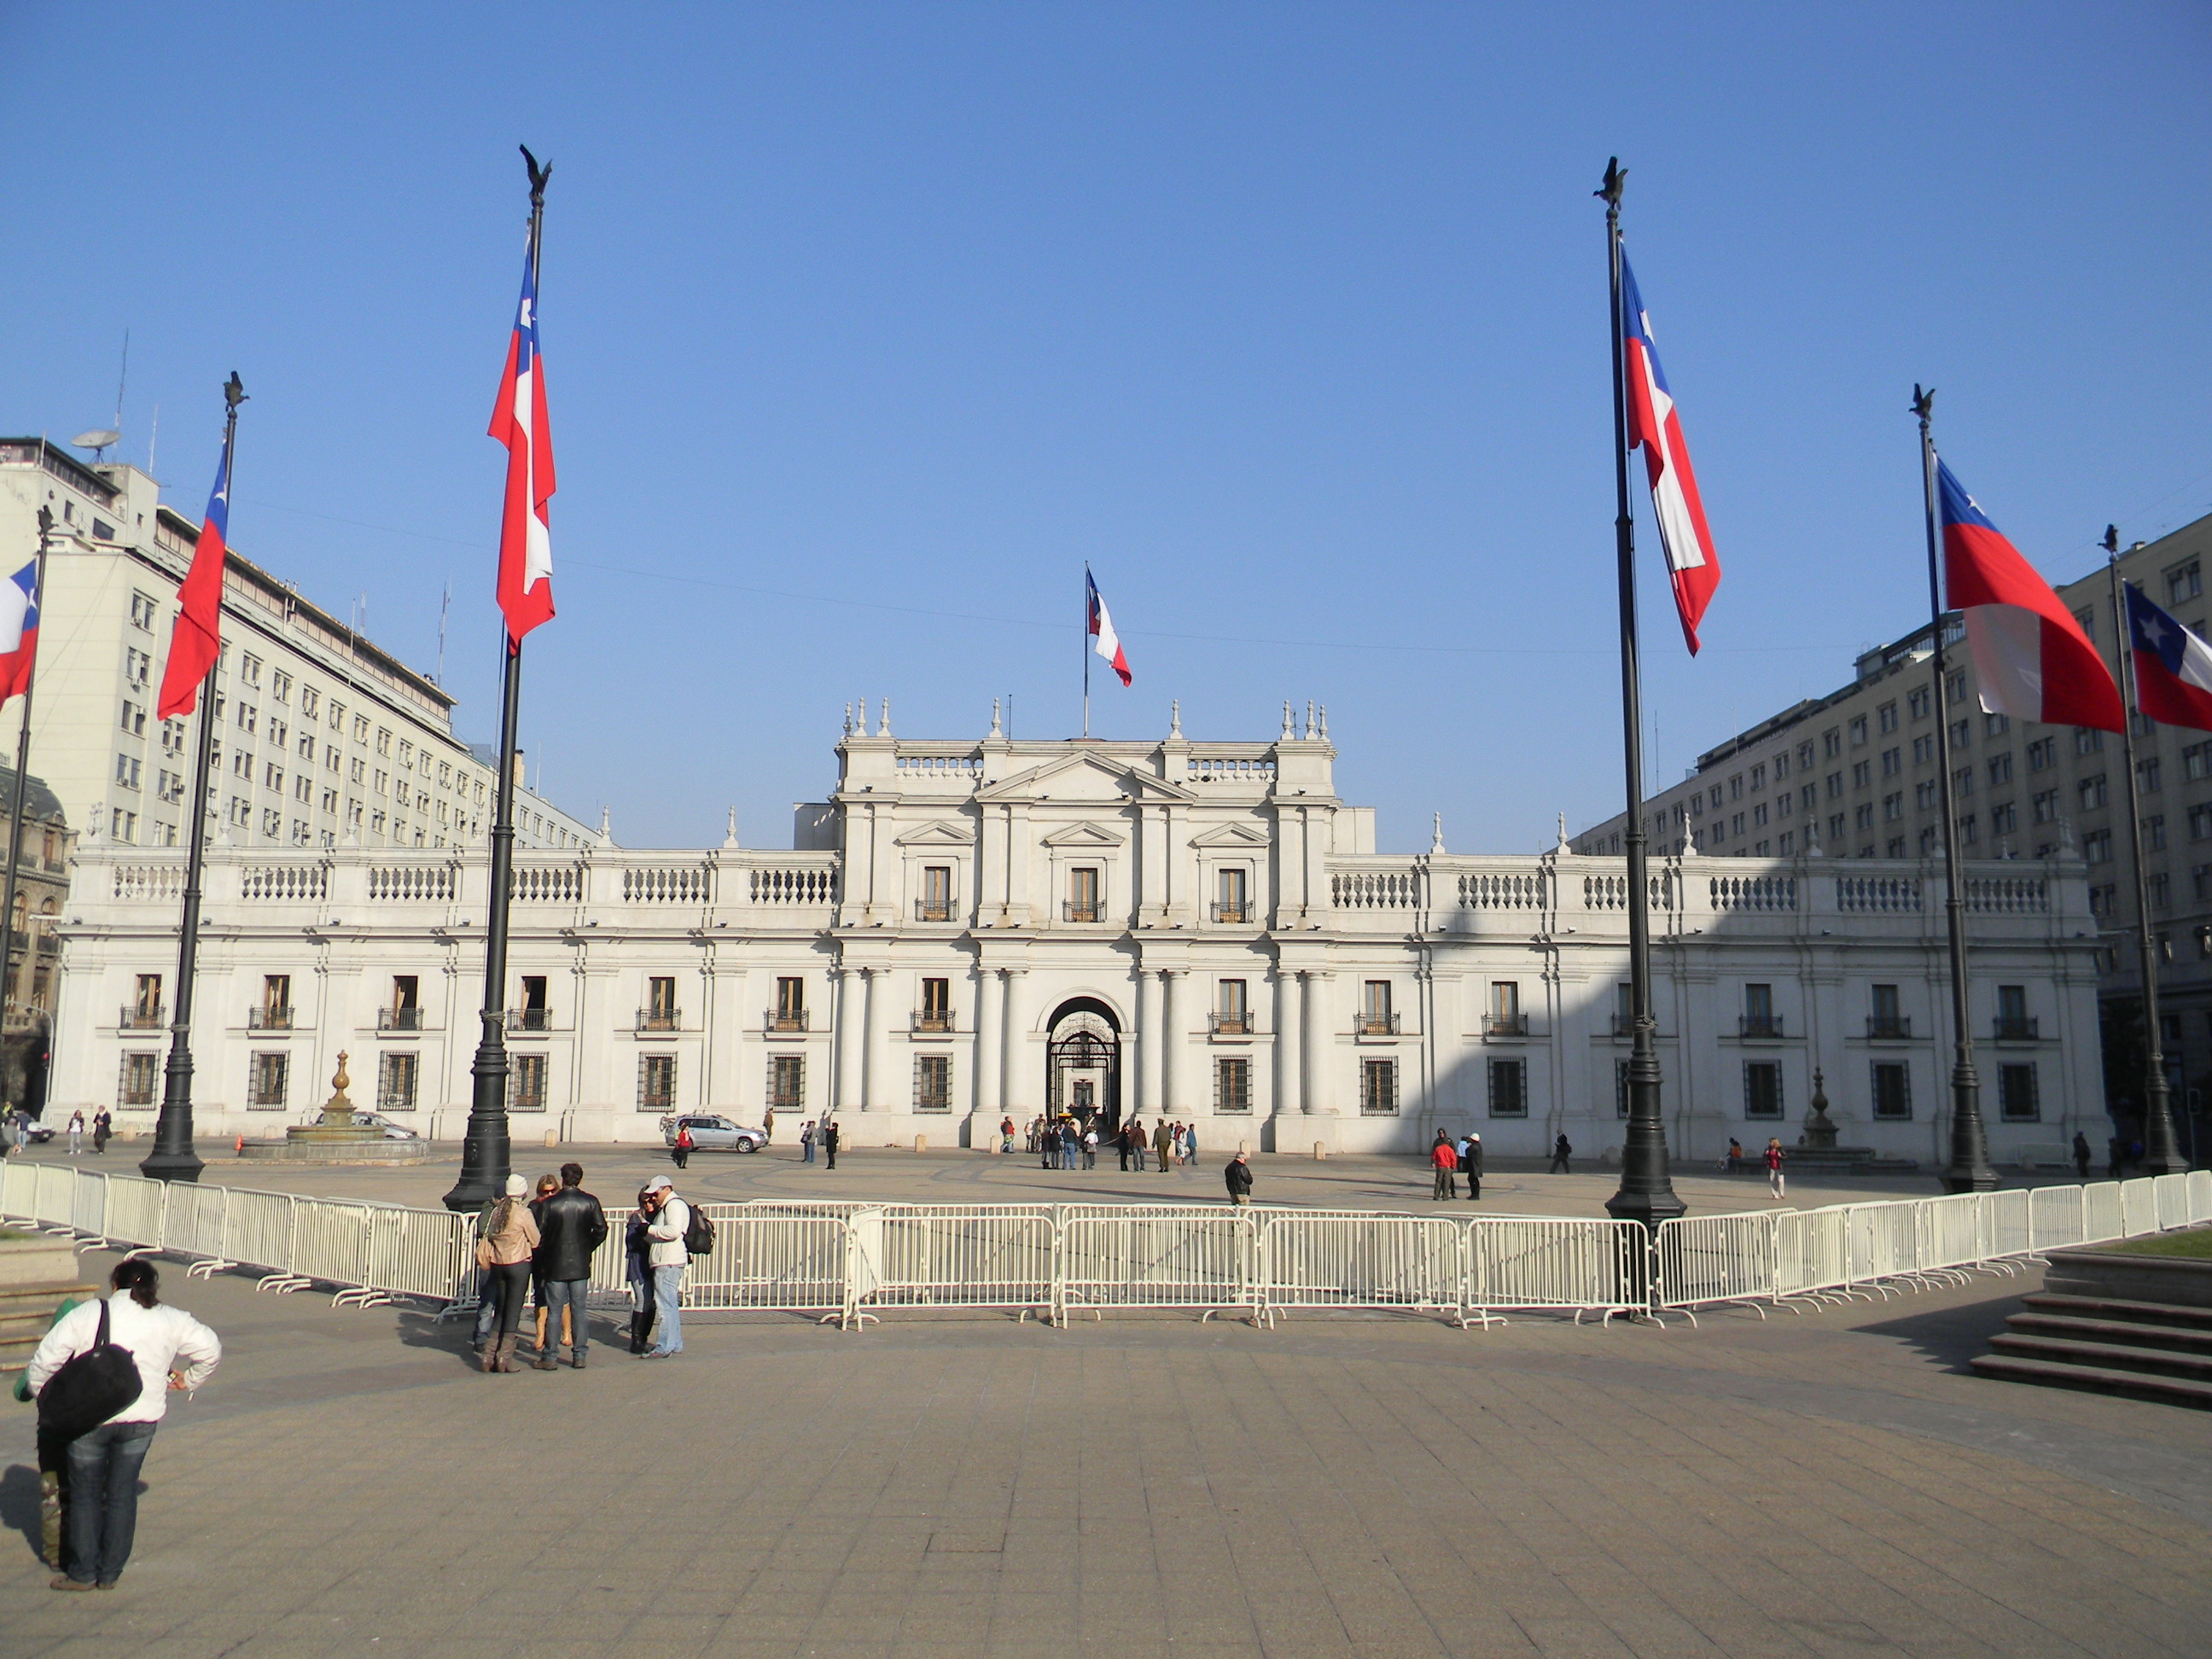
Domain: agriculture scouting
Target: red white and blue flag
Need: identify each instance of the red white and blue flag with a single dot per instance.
(1692, 565)
(2174, 666)
(19, 631)
(525, 545)
(196, 640)
(2032, 660)
(1101, 627)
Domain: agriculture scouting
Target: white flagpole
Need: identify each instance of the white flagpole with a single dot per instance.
(1086, 648)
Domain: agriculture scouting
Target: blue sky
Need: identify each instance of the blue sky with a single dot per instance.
(866, 326)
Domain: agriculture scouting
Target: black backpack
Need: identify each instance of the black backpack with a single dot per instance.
(698, 1232)
(89, 1388)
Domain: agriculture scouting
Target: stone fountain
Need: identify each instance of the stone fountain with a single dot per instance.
(337, 1137)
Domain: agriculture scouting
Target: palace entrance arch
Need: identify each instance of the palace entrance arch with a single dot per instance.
(1083, 1064)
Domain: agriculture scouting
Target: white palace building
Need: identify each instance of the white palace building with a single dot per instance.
(976, 929)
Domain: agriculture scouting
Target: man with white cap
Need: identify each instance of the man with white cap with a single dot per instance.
(665, 1254)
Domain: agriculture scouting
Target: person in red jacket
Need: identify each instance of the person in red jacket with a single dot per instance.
(1446, 1162)
(1774, 1157)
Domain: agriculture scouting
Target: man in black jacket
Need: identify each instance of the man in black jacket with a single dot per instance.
(1237, 1173)
(571, 1226)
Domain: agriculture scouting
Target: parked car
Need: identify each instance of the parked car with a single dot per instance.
(710, 1133)
(391, 1131)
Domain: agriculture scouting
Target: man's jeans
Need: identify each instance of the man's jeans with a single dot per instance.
(569, 1294)
(103, 1499)
(667, 1287)
(486, 1306)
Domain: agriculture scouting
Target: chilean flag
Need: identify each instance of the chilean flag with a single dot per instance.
(1692, 564)
(19, 631)
(526, 545)
(2173, 667)
(2033, 659)
(196, 640)
(1098, 622)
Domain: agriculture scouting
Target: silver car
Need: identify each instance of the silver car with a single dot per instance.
(710, 1133)
(391, 1131)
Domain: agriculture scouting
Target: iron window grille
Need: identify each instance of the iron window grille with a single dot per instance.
(1509, 1088)
(1232, 1087)
(1378, 1088)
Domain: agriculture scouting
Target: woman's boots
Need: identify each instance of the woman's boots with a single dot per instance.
(499, 1354)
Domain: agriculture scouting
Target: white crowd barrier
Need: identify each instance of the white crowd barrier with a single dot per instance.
(851, 1262)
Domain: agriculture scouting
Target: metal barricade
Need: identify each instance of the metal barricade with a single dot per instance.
(767, 1263)
(1812, 1254)
(136, 1211)
(19, 1185)
(2138, 1207)
(329, 1244)
(2101, 1213)
(2170, 1200)
(1149, 1258)
(2200, 1196)
(419, 1253)
(1532, 1262)
(88, 1217)
(194, 1223)
(2057, 1217)
(257, 1233)
(965, 1255)
(1414, 1263)
(1884, 1242)
(1708, 1260)
(2006, 1230)
(53, 1198)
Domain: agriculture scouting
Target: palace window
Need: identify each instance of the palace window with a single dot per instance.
(1509, 1088)
(141, 1072)
(1083, 895)
(1232, 1087)
(790, 1005)
(933, 1083)
(267, 1077)
(1232, 1015)
(787, 1082)
(1378, 1088)
(1762, 1089)
(525, 1083)
(656, 1082)
(2017, 1100)
(1892, 1090)
(396, 1074)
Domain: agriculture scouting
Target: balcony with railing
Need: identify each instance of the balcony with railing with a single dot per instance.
(399, 1019)
(528, 1021)
(1081, 910)
(1766, 1027)
(659, 1021)
(787, 1020)
(137, 1018)
(1889, 1028)
(269, 1019)
(2016, 1028)
(1504, 1027)
(933, 910)
(1231, 1025)
(1235, 912)
(932, 1022)
(1371, 1024)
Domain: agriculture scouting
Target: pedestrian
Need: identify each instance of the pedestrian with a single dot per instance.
(1236, 1174)
(2117, 1151)
(1471, 1160)
(571, 1227)
(53, 1462)
(1560, 1153)
(172, 1352)
(1163, 1144)
(1122, 1145)
(1733, 1162)
(1774, 1157)
(829, 1142)
(1444, 1161)
(671, 1220)
(767, 1128)
(806, 1142)
(680, 1150)
(1068, 1143)
(76, 1134)
(2081, 1154)
(1190, 1142)
(1005, 1135)
(545, 1187)
(1048, 1147)
(508, 1236)
(1137, 1144)
(103, 1130)
(1091, 1149)
(637, 1266)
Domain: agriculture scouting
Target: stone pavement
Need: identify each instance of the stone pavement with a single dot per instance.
(1519, 1186)
(1826, 1483)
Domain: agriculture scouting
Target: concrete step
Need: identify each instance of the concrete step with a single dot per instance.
(2104, 1356)
(2127, 1333)
(26, 1311)
(2113, 1308)
(2135, 1385)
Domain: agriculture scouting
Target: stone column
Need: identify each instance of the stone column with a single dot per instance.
(1175, 1013)
(847, 1036)
(990, 1051)
(879, 1093)
(1290, 1007)
(1017, 1088)
(1319, 1030)
(1149, 1044)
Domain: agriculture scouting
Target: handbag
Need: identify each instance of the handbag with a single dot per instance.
(89, 1388)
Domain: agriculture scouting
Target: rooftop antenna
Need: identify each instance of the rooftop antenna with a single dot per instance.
(152, 439)
(101, 439)
(444, 605)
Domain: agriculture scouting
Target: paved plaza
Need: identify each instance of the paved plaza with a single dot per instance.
(1826, 1483)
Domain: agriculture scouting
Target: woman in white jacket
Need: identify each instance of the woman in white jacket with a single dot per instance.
(172, 1351)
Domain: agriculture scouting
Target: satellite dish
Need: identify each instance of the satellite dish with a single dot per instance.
(96, 440)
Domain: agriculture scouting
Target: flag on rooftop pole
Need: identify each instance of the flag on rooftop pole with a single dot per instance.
(19, 631)
(1693, 567)
(2032, 660)
(1101, 626)
(526, 546)
(2174, 666)
(196, 641)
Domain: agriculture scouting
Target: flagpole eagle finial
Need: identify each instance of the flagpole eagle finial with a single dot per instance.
(234, 392)
(1923, 403)
(2111, 542)
(1615, 176)
(539, 175)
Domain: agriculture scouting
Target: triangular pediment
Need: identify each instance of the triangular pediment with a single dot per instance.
(1084, 834)
(1085, 776)
(945, 832)
(1240, 836)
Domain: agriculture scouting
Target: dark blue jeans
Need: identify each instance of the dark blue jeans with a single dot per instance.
(103, 1499)
(569, 1294)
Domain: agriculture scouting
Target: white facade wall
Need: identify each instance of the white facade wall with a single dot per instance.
(1160, 826)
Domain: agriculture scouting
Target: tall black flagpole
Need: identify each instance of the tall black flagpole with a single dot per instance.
(22, 766)
(1646, 1194)
(172, 1157)
(485, 1151)
(2161, 1155)
(1969, 1170)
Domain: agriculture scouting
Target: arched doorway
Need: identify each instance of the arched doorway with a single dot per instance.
(1083, 1064)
